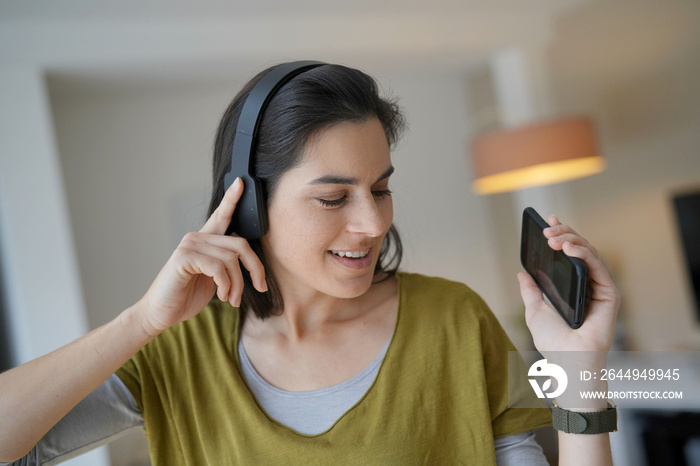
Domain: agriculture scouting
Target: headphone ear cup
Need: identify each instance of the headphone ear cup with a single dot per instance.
(249, 220)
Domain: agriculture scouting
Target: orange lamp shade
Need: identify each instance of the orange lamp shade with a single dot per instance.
(535, 155)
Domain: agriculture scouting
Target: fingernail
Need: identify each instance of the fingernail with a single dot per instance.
(237, 302)
(236, 182)
(263, 286)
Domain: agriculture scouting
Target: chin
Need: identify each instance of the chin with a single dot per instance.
(352, 287)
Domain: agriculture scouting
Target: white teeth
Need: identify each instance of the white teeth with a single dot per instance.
(354, 255)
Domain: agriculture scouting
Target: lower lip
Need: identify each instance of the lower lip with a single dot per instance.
(359, 263)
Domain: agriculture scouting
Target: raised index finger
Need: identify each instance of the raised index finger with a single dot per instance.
(221, 218)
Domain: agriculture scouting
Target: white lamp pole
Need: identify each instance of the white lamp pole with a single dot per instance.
(521, 92)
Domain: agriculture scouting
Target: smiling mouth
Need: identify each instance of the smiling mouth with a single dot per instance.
(351, 254)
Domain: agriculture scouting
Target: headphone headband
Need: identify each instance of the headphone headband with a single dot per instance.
(250, 217)
(254, 107)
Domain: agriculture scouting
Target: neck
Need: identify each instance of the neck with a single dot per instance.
(310, 313)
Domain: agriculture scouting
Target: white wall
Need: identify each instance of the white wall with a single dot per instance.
(445, 226)
(39, 265)
(136, 161)
(636, 71)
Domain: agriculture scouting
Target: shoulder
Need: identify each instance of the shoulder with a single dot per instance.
(214, 323)
(419, 283)
(437, 301)
(438, 293)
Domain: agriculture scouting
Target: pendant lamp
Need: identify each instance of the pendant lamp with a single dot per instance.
(535, 155)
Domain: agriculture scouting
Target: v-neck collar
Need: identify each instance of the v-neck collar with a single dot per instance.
(396, 334)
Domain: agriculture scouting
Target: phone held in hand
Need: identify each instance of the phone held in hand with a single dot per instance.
(561, 278)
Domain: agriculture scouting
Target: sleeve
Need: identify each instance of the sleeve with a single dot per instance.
(106, 414)
(505, 387)
(519, 449)
(130, 375)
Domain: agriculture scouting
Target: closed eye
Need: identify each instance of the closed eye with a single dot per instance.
(379, 194)
(332, 203)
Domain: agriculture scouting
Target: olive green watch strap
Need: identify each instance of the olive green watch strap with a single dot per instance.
(575, 422)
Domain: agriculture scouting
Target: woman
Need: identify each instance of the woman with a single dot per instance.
(315, 350)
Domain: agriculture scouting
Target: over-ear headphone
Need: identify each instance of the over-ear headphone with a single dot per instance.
(249, 220)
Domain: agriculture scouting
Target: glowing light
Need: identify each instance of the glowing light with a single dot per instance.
(535, 155)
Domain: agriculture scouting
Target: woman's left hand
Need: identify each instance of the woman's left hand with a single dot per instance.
(549, 330)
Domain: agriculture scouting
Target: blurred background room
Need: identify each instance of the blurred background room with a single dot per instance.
(108, 112)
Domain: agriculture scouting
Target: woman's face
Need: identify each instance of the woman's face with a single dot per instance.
(329, 215)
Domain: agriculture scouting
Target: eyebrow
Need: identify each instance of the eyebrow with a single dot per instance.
(334, 179)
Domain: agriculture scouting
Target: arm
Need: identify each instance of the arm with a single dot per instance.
(573, 447)
(106, 414)
(592, 340)
(36, 395)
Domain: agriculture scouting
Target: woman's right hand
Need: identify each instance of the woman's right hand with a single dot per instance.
(204, 262)
(36, 395)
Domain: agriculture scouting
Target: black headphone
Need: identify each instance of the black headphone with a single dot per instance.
(249, 220)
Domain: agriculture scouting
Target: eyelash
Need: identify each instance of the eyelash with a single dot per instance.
(338, 202)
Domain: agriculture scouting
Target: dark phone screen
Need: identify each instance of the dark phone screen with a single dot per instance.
(687, 207)
(553, 271)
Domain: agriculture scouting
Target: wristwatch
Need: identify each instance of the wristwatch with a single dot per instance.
(575, 422)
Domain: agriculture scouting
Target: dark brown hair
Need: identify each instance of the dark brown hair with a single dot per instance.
(302, 108)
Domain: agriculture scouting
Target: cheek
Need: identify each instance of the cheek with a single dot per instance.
(297, 230)
(386, 209)
(390, 211)
(319, 229)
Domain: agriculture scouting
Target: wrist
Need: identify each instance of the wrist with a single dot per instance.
(586, 421)
(135, 319)
(585, 390)
(584, 396)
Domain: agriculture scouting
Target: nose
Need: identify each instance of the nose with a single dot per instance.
(369, 216)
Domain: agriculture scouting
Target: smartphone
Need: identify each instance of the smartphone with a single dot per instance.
(561, 278)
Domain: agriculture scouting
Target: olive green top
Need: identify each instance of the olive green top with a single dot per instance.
(440, 397)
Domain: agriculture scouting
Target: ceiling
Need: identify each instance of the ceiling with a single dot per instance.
(37, 10)
(136, 40)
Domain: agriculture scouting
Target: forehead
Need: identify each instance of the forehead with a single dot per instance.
(347, 148)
